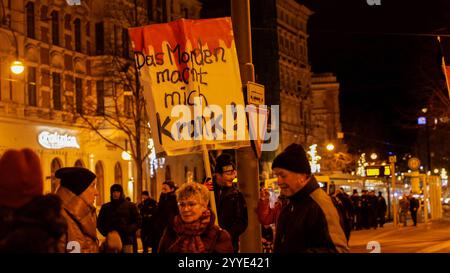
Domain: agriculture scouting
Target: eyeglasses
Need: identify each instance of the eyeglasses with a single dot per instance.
(189, 204)
(230, 172)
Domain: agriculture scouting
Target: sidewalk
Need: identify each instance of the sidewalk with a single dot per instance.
(424, 238)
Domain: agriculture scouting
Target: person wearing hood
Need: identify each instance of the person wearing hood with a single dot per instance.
(309, 222)
(166, 211)
(77, 192)
(121, 216)
(30, 222)
(193, 230)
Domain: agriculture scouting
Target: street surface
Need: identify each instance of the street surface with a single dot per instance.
(432, 237)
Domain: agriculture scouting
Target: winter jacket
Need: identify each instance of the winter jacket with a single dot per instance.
(381, 205)
(34, 228)
(266, 214)
(147, 210)
(122, 216)
(232, 212)
(310, 223)
(81, 220)
(165, 213)
(215, 239)
(413, 204)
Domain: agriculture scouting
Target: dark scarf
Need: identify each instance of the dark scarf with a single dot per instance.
(189, 234)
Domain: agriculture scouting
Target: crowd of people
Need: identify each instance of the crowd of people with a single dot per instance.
(181, 221)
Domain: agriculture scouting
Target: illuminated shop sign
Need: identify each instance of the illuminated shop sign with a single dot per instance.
(57, 141)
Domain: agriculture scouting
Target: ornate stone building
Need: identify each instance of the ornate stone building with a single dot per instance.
(68, 53)
(295, 73)
(326, 117)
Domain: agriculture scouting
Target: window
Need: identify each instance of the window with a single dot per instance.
(118, 174)
(186, 13)
(116, 39)
(99, 172)
(88, 29)
(55, 27)
(79, 95)
(164, 10)
(77, 24)
(161, 10)
(150, 10)
(99, 39)
(56, 91)
(79, 163)
(100, 98)
(125, 44)
(32, 101)
(168, 175)
(30, 20)
(55, 165)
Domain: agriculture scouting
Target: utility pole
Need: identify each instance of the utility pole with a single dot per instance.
(247, 163)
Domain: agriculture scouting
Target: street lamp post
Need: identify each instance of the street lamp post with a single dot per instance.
(392, 160)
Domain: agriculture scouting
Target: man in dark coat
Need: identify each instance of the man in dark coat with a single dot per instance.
(346, 210)
(165, 213)
(310, 222)
(365, 210)
(121, 216)
(372, 209)
(413, 207)
(381, 209)
(357, 206)
(231, 206)
(147, 208)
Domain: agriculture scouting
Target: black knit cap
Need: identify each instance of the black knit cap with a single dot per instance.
(224, 163)
(294, 159)
(116, 187)
(75, 179)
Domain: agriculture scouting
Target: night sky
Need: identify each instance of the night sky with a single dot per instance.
(384, 67)
(385, 61)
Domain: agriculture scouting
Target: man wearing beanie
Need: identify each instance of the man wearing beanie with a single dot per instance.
(77, 192)
(30, 222)
(120, 215)
(309, 222)
(231, 206)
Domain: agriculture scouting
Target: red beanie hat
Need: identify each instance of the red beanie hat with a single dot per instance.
(20, 177)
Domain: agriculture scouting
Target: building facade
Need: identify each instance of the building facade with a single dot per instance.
(59, 106)
(295, 73)
(280, 57)
(326, 118)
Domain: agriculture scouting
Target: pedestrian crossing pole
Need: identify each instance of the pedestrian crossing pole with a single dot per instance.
(392, 160)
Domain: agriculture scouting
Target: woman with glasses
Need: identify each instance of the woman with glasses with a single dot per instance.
(193, 230)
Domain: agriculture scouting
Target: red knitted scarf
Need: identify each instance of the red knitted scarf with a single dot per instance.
(189, 240)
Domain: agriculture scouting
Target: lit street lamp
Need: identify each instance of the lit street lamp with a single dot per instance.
(373, 156)
(17, 67)
(330, 147)
(126, 155)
